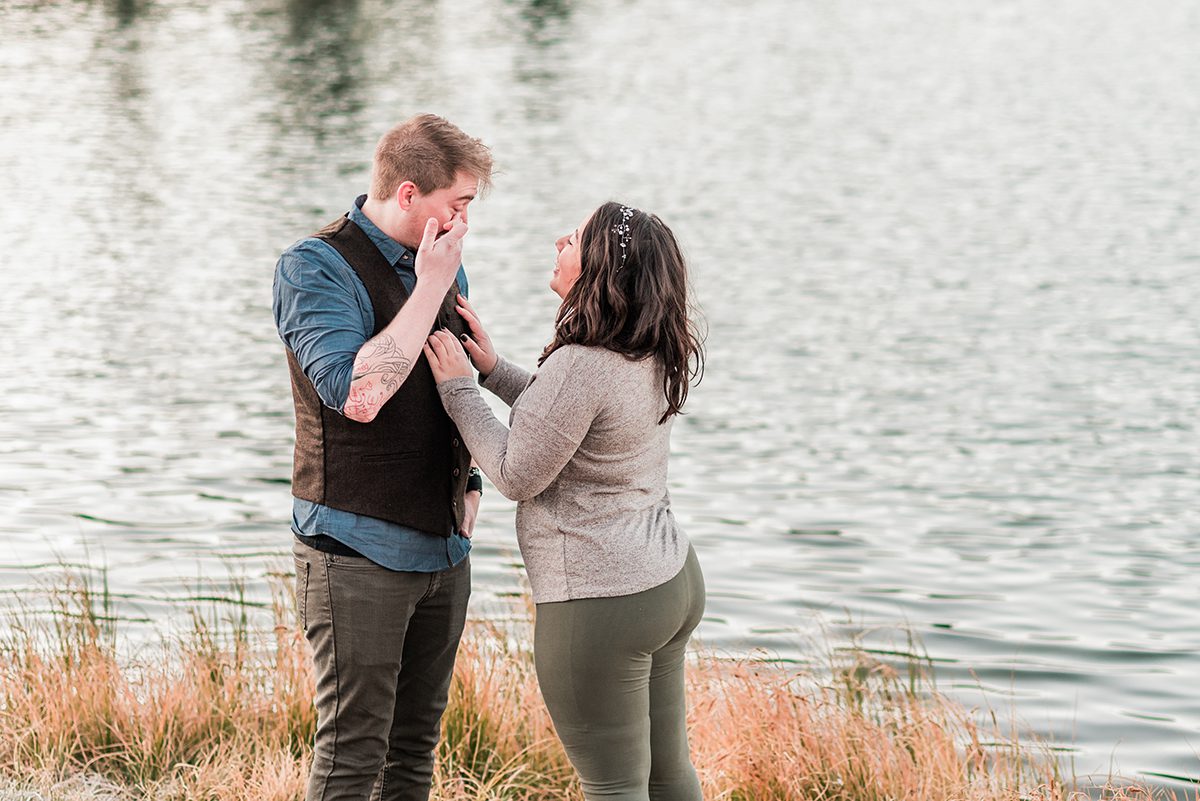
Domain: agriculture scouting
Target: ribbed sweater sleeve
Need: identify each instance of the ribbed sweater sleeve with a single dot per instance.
(549, 420)
(506, 381)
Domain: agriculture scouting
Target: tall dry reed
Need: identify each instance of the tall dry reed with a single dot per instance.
(227, 713)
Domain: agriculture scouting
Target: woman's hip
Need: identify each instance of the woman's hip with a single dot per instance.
(636, 624)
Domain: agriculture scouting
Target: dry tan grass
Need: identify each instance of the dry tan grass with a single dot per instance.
(228, 715)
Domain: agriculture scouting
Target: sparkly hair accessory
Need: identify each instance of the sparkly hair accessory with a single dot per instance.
(624, 232)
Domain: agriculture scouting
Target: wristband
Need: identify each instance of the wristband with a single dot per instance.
(474, 481)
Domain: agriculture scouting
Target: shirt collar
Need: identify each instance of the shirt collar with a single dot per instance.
(397, 255)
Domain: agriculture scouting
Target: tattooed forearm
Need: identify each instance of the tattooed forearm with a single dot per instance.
(386, 360)
(382, 347)
(382, 363)
(358, 403)
(378, 373)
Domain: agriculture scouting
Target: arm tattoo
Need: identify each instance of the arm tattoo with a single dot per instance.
(359, 401)
(376, 376)
(385, 360)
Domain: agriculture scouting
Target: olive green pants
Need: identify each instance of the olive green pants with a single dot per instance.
(611, 671)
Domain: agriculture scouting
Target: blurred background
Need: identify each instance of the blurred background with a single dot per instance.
(947, 250)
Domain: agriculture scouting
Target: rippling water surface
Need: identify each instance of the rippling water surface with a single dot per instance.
(948, 253)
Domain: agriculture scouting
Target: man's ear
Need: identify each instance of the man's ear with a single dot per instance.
(405, 194)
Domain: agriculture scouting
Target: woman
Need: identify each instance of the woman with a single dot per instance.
(617, 586)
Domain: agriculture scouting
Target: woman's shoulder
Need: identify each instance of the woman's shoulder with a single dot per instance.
(605, 381)
(596, 353)
(596, 358)
(608, 377)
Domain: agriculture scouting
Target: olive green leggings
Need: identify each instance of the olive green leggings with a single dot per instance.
(611, 671)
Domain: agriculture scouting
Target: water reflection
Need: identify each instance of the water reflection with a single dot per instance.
(949, 295)
(320, 72)
(537, 67)
(126, 11)
(123, 211)
(545, 20)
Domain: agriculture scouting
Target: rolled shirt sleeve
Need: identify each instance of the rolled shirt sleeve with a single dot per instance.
(321, 316)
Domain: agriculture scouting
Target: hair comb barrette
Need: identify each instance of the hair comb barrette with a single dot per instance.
(624, 232)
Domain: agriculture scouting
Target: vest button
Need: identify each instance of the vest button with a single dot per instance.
(455, 472)
(454, 442)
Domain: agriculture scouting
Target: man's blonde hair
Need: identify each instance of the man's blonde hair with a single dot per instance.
(429, 151)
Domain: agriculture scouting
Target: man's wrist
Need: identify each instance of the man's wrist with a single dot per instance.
(424, 288)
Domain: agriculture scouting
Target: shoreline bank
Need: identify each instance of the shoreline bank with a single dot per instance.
(226, 712)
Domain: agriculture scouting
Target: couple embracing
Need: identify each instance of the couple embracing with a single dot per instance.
(392, 431)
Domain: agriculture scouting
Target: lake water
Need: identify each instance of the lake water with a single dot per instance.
(948, 253)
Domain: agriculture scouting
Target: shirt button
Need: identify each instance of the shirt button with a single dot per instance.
(456, 472)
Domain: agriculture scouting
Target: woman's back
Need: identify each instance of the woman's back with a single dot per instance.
(622, 460)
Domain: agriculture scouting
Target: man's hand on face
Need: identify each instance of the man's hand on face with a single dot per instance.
(449, 224)
(440, 253)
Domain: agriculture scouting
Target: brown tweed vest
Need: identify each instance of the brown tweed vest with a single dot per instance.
(408, 465)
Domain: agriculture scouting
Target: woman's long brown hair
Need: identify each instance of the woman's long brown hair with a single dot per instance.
(636, 302)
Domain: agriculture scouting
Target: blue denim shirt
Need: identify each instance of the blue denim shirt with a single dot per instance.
(324, 315)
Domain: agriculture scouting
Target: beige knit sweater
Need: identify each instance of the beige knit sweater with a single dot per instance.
(586, 460)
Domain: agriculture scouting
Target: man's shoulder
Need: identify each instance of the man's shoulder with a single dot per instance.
(309, 248)
(312, 259)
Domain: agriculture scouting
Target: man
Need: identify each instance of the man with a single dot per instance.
(385, 496)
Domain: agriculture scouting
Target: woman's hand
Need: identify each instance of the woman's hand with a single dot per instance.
(479, 344)
(439, 257)
(446, 357)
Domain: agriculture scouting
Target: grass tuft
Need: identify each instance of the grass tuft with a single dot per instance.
(226, 712)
